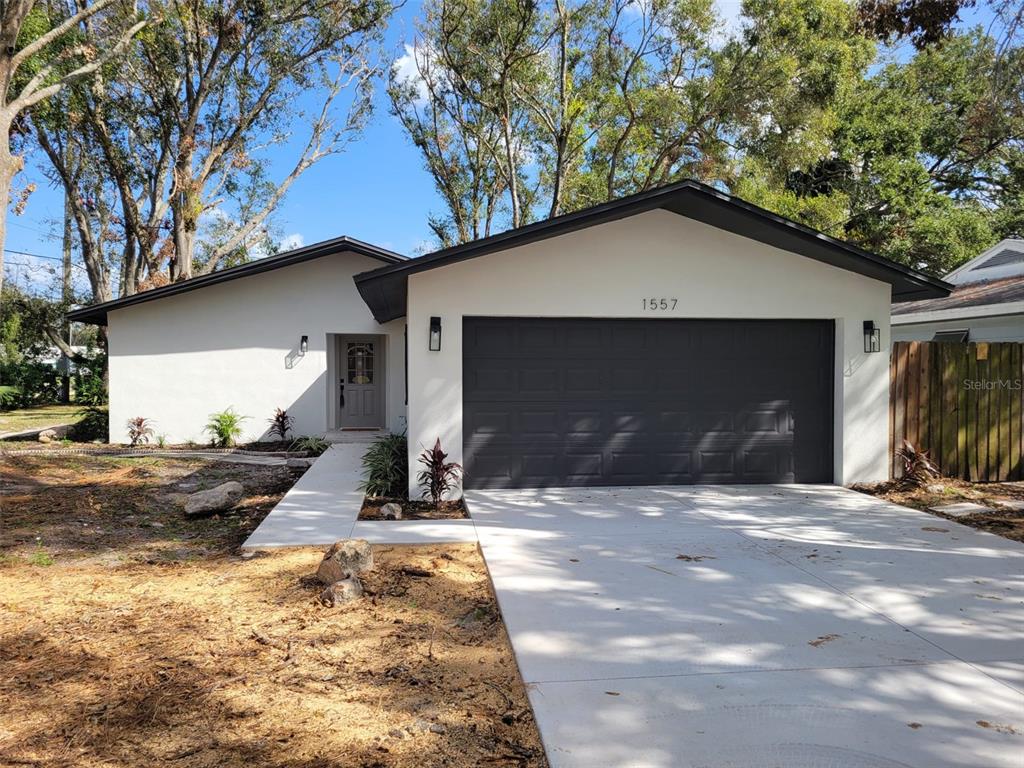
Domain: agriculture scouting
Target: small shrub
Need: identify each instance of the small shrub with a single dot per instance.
(140, 429)
(40, 557)
(437, 476)
(225, 427)
(161, 441)
(10, 396)
(386, 467)
(93, 424)
(314, 445)
(917, 466)
(280, 424)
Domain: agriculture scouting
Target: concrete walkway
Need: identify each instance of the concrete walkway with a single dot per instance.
(774, 626)
(323, 505)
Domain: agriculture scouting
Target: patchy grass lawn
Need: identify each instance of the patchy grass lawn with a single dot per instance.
(39, 417)
(997, 519)
(131, 636)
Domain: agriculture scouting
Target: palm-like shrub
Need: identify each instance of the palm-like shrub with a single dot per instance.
(386, 468)
(280, 424)
(224, 427)
(917, 467)
(140, 429)
(437, 476)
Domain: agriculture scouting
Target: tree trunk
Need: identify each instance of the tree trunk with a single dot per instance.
(9, 167)
(66, 297)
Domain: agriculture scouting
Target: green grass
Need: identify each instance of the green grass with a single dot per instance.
(38, 417)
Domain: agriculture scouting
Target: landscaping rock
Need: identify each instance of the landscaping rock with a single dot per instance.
(1011, 505)
(218, 499)
(935, 488)
(345, 558)
(295, 463)
(960, 509)
(342, 591)
(47, 436)
(391, 511)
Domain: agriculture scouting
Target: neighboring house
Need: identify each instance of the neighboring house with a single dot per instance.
(674, 336)
(986, 304)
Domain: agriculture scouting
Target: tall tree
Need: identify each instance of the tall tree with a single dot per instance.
(180, 135)
(43, 49)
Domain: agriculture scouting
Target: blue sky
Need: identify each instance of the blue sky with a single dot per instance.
(377, 190)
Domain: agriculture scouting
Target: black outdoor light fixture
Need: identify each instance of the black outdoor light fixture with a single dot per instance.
(303, 345)
(872, 338)
(434, 344)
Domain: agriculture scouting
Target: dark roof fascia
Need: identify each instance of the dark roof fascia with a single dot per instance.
(384, 289)
(97, 313)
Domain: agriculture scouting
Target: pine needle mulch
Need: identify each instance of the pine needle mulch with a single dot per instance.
(217, 660)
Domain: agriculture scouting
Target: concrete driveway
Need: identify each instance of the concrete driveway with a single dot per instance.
(758, 627)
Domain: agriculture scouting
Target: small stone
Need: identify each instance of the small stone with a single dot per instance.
(398, 733)
(297, 463)
(935, 488)
(156, 525)
(47, 436)
(391, 511)
(343, 591)
(425, 725)
(960, 509)
(345, 558)
(249, 555)
(1011, 505)
(218, 499)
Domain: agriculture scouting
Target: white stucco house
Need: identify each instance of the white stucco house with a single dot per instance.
(986, 303)
(675, 336)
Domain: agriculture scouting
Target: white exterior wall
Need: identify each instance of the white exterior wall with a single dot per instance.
(607, 271)
(998, 328)
(178, 359)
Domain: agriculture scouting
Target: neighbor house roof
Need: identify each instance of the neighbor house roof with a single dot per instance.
(97, 313)
(385, 289)
(987, 297)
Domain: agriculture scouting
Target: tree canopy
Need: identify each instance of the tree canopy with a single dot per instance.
(527, 110)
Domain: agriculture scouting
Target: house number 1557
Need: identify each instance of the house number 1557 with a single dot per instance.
(652, 305)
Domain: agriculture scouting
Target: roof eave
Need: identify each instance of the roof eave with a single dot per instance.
(96, 314)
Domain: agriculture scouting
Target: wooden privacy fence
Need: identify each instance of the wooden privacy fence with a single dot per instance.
(962, 404)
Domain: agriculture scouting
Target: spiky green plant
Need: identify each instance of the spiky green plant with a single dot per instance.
(386, 467)
(314, 445)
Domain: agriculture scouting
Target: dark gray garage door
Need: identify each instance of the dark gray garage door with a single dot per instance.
(567, 402)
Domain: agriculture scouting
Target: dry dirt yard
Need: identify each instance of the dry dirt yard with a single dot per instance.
(997, 519)
(131, 636)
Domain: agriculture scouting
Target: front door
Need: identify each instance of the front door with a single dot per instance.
(360, 384)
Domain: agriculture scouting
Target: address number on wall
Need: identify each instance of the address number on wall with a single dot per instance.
(654, 305)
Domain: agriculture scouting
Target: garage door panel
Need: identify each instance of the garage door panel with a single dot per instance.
(614, 402)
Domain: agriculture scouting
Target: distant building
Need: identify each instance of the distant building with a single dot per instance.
(986, 305)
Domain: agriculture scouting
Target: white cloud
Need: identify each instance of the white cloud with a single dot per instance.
(292, 241)
(406, 69)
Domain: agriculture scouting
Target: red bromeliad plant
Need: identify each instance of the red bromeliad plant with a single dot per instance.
(917, 466)
(140, 429)
(280, 424)
(438, 476)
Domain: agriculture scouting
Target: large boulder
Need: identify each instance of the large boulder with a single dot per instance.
(345, 558)
(218, 499)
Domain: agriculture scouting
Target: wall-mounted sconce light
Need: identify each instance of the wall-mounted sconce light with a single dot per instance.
(303, 345)
(435, 335)
(872, 338)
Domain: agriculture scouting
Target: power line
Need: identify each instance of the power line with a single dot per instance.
(33, 255)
